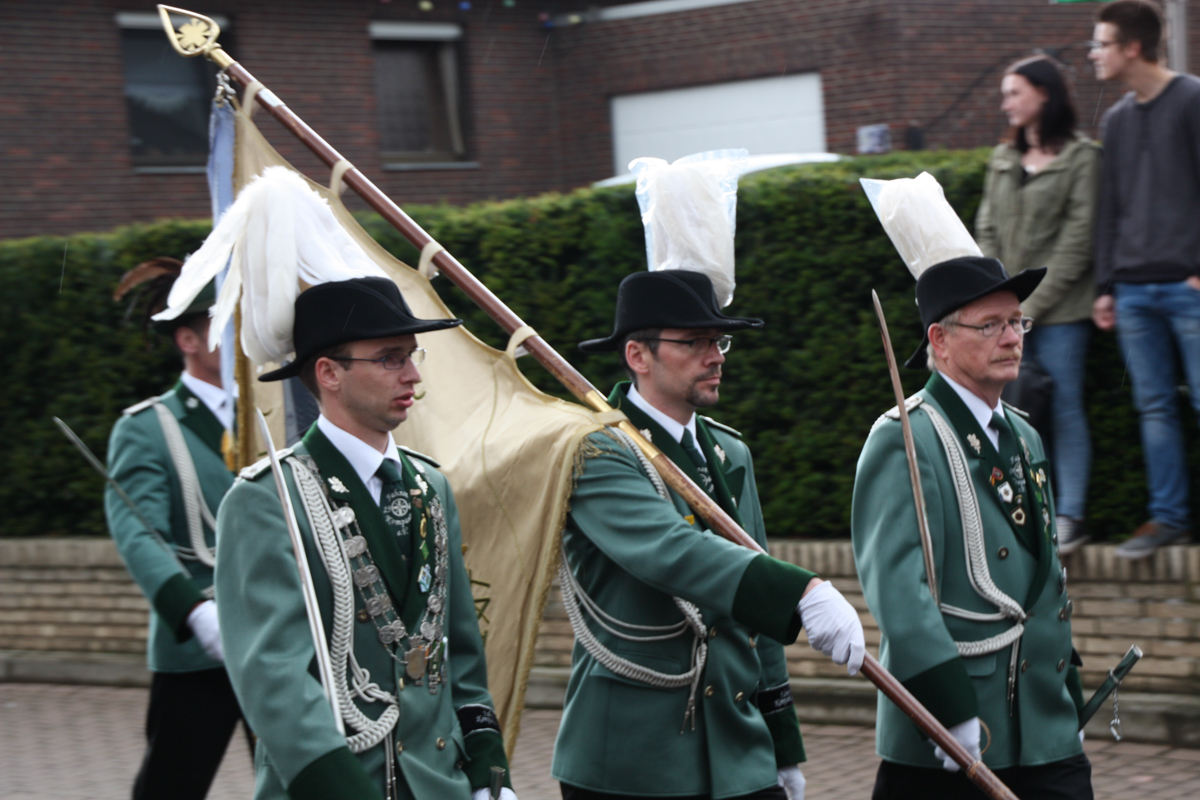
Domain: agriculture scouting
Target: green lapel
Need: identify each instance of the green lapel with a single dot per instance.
(985, 459)
(198, 417)
(673, 450)
(716, 467)
(421, 556)
(1040, 511)
(348, 488)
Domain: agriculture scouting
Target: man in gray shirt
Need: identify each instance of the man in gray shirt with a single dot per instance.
(1148, 249)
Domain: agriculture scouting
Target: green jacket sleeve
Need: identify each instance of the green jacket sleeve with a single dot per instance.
(139, 463)
(919, 651)
(269, 648)
(468, 664)
(649, 539)
(1071, 259)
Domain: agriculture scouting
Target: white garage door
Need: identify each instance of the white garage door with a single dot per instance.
(785, 114)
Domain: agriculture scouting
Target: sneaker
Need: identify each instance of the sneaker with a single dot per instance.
(1149, 537)
(1071, 535)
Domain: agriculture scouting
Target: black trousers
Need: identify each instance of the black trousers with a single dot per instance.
(188, 727)
(1070, 779)
(570, 792)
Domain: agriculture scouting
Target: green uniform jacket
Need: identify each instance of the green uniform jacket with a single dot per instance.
(918, 642)
(270, 656)
(1044, 220)
(631, 551)
(138, 459)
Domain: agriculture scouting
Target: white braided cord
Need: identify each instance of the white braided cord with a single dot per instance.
(976, 552)
(350, 676)
(194, 506)
(573, 596)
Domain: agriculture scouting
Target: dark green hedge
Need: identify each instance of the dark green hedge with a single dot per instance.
(804, 390)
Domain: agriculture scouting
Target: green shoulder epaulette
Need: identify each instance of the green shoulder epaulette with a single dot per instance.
(1015, 410)
(720, 426)
(262, 465)
(909, 404)
(142, 406)
(422, 456)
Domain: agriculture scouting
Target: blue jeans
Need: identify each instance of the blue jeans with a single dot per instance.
(1062, 350)
(1156, 321)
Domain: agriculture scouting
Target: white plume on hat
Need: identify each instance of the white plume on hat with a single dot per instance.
(689, 208)
(278, 232)
(921, 224)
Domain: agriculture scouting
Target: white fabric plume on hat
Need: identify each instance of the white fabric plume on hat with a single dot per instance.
(689, 208)
(278, 232)
(921, 224)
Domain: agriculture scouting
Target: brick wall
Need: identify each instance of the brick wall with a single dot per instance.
(537, 99)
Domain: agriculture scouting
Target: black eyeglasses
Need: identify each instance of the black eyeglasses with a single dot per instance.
(391, 360)
(701, 343)
(1020, 326)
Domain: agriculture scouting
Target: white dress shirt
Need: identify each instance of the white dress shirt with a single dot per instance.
(673, 428)
(979, 409)
(364, 459)
(214, 397)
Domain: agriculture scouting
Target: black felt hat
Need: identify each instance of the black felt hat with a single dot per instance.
(946, 287)
(334, 313)
(669, 298)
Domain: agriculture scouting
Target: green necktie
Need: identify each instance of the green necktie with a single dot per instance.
(689, 447)
(396, 505)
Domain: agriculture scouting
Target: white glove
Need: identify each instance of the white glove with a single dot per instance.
(792, 781)
(486, 794)
(967, 734)
(203, 622)
(833, 626)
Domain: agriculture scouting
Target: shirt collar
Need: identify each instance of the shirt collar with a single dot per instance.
(214, 397)
(362, 457)
(672, 427)
(978, 408)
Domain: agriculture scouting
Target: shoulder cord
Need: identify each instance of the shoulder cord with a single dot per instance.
(615, 663)
(977, 568)
(341, 651)
(198, 513)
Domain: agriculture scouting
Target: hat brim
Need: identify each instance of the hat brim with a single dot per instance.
(612, 343)
(1022, 285)
(293, 368)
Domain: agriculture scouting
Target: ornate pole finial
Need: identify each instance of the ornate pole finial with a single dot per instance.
(196, 37)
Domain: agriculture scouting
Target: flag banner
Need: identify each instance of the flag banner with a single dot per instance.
(507, 448)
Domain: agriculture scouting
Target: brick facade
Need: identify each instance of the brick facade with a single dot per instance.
(536, 98)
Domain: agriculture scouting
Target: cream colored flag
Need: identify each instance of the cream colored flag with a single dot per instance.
(507, 448)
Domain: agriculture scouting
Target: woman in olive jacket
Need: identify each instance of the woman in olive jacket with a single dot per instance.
(1037, 210)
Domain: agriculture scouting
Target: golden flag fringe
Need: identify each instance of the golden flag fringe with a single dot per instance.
(507, 448)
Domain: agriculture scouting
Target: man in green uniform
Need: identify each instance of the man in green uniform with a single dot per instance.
(382, 541)
(991, 655)
(679, 686)
(166, 453)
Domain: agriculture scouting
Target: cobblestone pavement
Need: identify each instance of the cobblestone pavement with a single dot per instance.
(85, 743)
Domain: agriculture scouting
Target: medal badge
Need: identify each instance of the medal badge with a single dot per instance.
(720, 453)
(997, 475)
(336, 484)
(425, 578)
(973, 440)
(1005, 491)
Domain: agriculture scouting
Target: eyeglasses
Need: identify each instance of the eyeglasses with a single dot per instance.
(701, 343)
(1096, 44)
(391, 360)
(1020, 326)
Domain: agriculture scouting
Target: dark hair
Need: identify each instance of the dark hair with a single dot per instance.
(197, 323)
(1136, 21)
(647, 335)
(308, 371)
(1056, 123)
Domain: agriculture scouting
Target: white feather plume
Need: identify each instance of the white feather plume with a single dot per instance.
(277, 233)
(920, 222)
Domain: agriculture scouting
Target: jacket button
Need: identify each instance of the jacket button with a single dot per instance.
(458, 764)
(753, 642)
(363, 616)
(739, 697)
(1003, 553)
(399, 747)
(1065, 612)
(441, 743)
(709, 691)
(712, 632)
(1024, 664)
(1061, 665)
